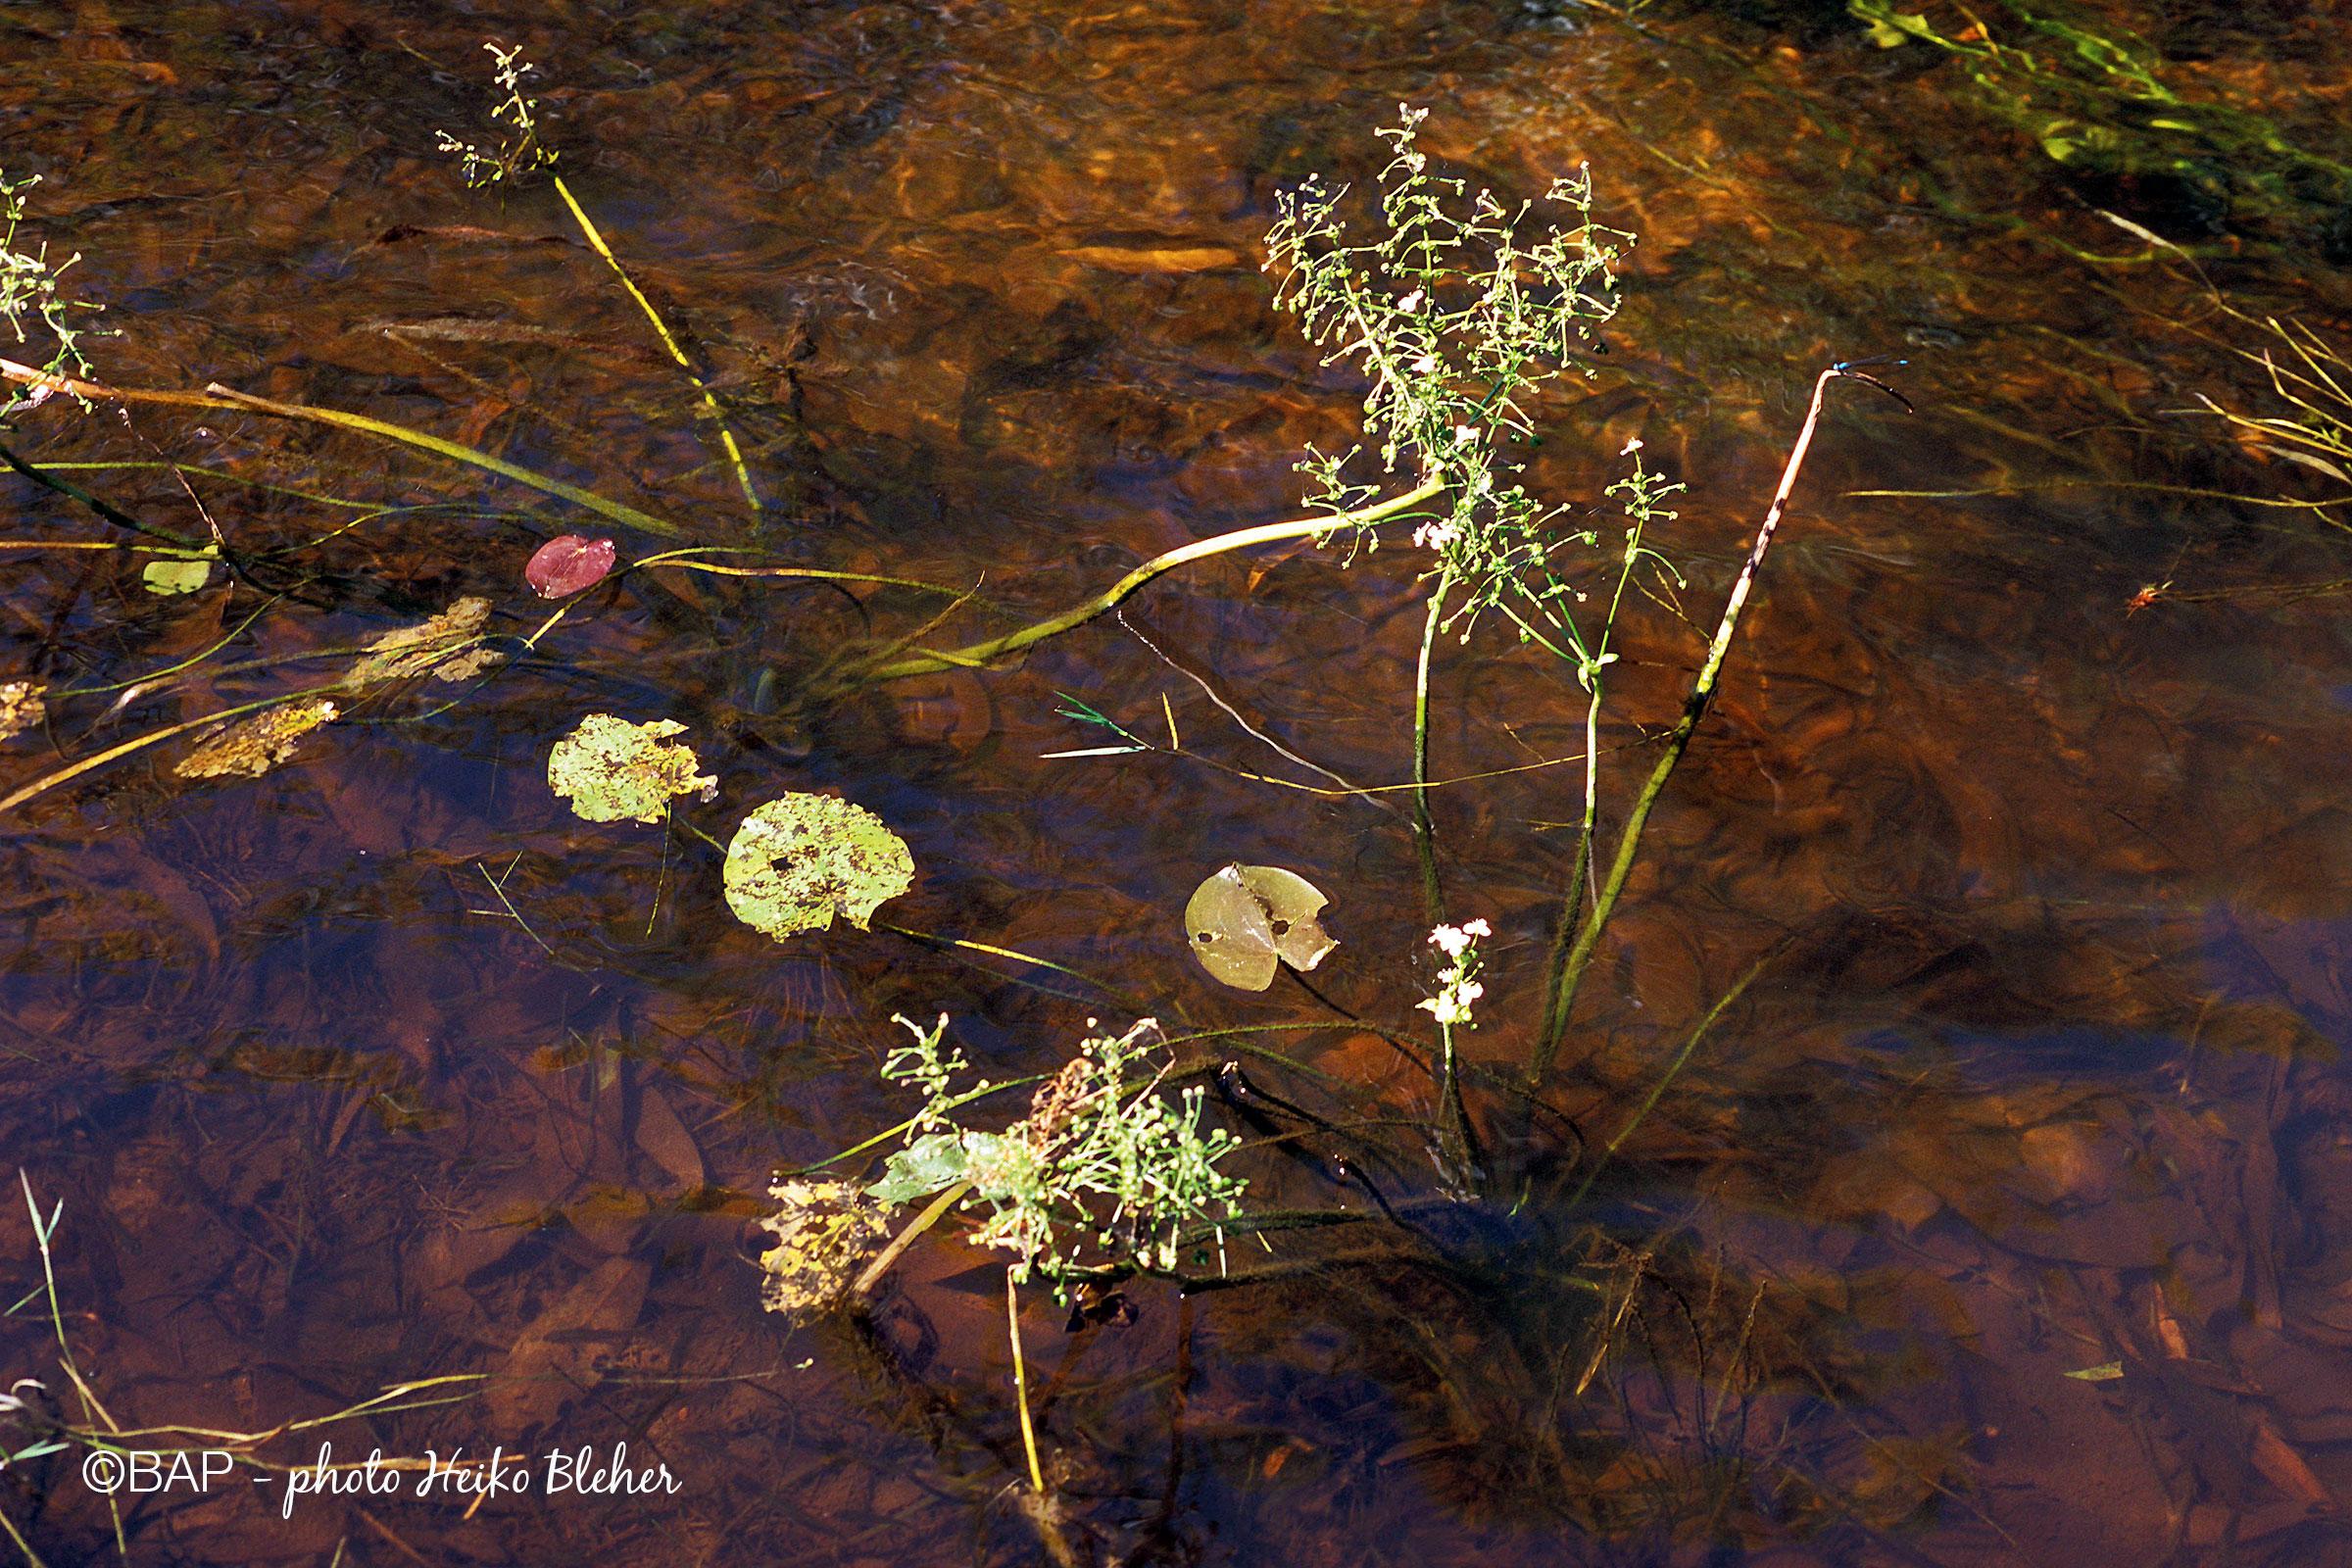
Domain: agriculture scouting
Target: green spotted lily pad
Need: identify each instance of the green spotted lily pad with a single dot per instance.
(799, 862)
(611, 771)
(1247, 921)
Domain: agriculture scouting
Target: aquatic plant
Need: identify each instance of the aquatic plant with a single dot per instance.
(611, 771)
(1453, 320)
(1244, 922)
(520, 152)
(31, 296)
(1104, 1175)
(1456, 309)
(2100, 100)
(799, 862)
(2312, 379)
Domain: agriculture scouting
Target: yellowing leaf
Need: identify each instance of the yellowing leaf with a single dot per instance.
(180, 571)
(253, 745)
(611, 771)
(444, 645)
(826, 1231)
(798, 861)
(19, 707)
(1247, 920)
(1888, 32)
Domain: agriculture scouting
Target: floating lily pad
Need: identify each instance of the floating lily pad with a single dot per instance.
(179, 571)
(799, 862)
(20, 707)
(251, 747)
(444, 645)
(611, 771)
(1247, 921)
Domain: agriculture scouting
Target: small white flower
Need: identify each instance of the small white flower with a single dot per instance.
(1452, 1004)
(1479, 928)
(1632, 445)
(1410, 303)
(1449, 940)
(1436, 535)
(1427, 364)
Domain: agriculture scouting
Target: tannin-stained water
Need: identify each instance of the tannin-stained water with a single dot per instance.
(2005, 1217)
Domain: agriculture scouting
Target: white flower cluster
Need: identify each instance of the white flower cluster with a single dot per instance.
(1437, 535)
(1458, 985)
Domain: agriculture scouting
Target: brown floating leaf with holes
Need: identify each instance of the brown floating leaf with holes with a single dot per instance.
(1247, 921)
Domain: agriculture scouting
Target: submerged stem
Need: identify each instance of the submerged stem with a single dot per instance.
(1657, 1090)
(216, 395)
(1425, 839)
(726, 436)
(1020, 1386)
(929, 661)
(1570, 959)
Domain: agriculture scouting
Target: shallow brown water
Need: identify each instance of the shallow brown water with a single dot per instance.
(384, 1066)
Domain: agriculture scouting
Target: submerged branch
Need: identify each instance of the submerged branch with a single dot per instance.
(929, 661)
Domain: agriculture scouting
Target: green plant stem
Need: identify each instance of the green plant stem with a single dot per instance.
(930, 1217)
(1425, 837)
(726, 436)
(1020, 1386)
(1593, 664)
(42, 1233)
(1572, 956)
(216, 395)
(31, 1557)
(1657, 1090)
(40, 474)
(1133, 1003)
(930, 662)
(1458, 1139)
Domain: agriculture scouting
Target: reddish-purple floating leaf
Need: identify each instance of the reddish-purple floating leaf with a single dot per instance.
(567, 564)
